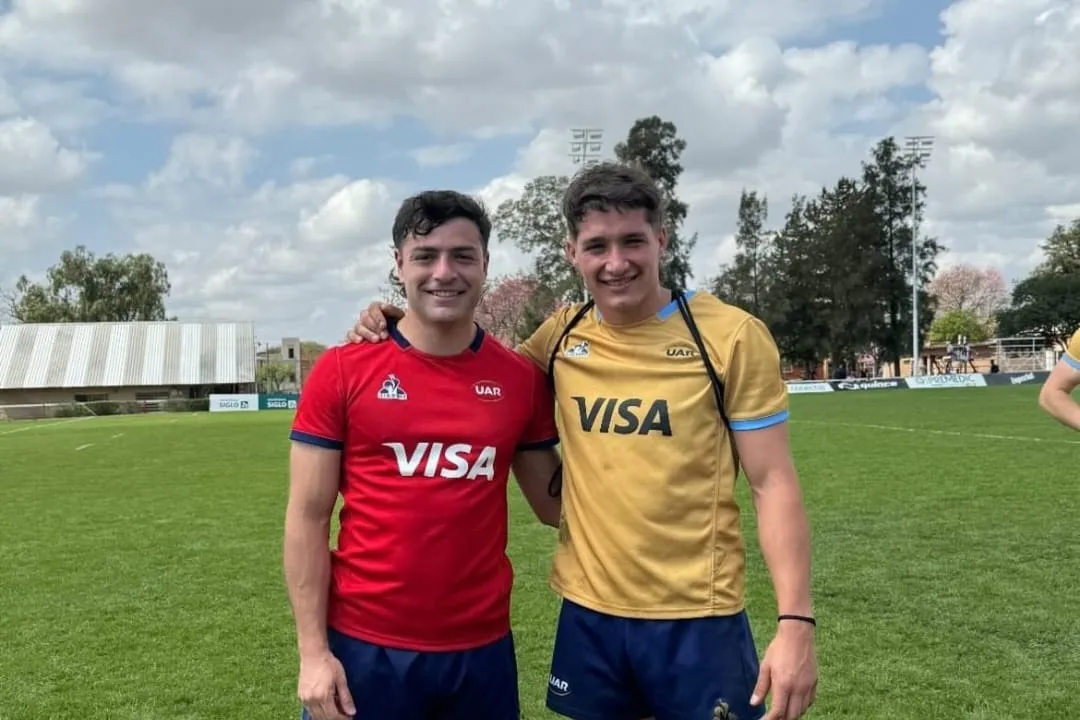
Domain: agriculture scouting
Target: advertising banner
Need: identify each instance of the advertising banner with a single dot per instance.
(799, 387)
(234, 403)
(869, 384)
(1028, 378)
(278, 401)
(936, 382)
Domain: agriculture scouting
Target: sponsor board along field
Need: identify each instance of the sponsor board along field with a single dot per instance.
(140, 563)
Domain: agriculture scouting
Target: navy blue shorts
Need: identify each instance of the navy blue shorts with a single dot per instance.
(610, 668)
(387, 684)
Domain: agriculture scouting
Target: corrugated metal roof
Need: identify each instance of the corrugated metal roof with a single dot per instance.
(78, 355)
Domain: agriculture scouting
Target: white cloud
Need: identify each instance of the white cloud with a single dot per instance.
(32, 160)
(300, 240)
(220, 162)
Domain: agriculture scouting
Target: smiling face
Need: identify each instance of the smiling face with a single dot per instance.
(618, 255)
(443, 272)
(615, 215)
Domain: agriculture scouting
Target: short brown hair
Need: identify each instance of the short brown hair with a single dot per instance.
(609, 186)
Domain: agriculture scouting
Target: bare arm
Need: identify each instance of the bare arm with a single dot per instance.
(534, 471)
(783, 528)
(1056, 395)
(314, 474)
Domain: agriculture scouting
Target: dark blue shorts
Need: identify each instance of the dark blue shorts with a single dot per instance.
(610, 668)
(386, 684)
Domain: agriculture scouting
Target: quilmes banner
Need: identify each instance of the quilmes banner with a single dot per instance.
(234, 403)
(868, 384)
(278, 401)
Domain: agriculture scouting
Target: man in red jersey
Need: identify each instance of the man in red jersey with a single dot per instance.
(409, 619)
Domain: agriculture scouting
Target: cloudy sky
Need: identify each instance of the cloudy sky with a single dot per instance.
(260, 147)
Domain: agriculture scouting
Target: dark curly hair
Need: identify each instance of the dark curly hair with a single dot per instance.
(420, 214)
(609, 186)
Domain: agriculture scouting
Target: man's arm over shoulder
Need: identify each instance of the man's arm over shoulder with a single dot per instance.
(1056, 394)
(537, 464)
(318, 437)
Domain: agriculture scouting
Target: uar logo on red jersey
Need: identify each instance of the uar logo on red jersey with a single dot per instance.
(452, 462)
(488, 391)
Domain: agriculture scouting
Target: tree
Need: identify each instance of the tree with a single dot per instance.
(888, 178)
(798, 320)
(82, 287)
(1044, 304)
(272, 374)
(743, 283)
(956, 323)
(1062, 250)
(535, 224)
(503, 307)
(847, 232)
(540, 306)
(980, 292)
(655, 146)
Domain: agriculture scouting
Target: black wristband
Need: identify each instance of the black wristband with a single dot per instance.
(800, 618)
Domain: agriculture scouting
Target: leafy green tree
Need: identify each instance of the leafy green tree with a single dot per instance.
(534, 223)
(654, 144)
(1062, 250)
(82, 287)
(272, 374)
(956, 323)
(1044, 304)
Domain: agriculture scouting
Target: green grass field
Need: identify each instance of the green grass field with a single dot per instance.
(140, 571)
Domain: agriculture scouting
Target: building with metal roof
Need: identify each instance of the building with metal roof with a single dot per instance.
(124, 361)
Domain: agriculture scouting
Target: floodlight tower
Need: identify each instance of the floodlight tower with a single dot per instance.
(586, 145)
(918, 148)
(586, 148)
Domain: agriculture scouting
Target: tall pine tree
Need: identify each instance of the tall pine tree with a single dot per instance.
(798, 306)
(745, 283)
(888, 177)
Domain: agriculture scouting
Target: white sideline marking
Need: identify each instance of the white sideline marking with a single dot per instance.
(951, 433)
(37, 425)
(117, 435)
(83, 447)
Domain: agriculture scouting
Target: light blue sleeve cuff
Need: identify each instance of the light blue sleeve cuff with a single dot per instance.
(760, 423)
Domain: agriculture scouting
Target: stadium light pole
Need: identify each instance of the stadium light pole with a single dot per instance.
(586, 148)
(586, 145)
(918, 152)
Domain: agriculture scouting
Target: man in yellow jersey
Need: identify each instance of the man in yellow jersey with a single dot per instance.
(650, 561)
(1056, 394)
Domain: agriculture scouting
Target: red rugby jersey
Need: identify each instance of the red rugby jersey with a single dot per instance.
(426, 447)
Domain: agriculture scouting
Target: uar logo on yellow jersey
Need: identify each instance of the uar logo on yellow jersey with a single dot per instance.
(631, 416)
(681, 351)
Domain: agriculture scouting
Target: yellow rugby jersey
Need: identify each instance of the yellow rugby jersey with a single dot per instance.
(650, 525)
(1072, 352)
